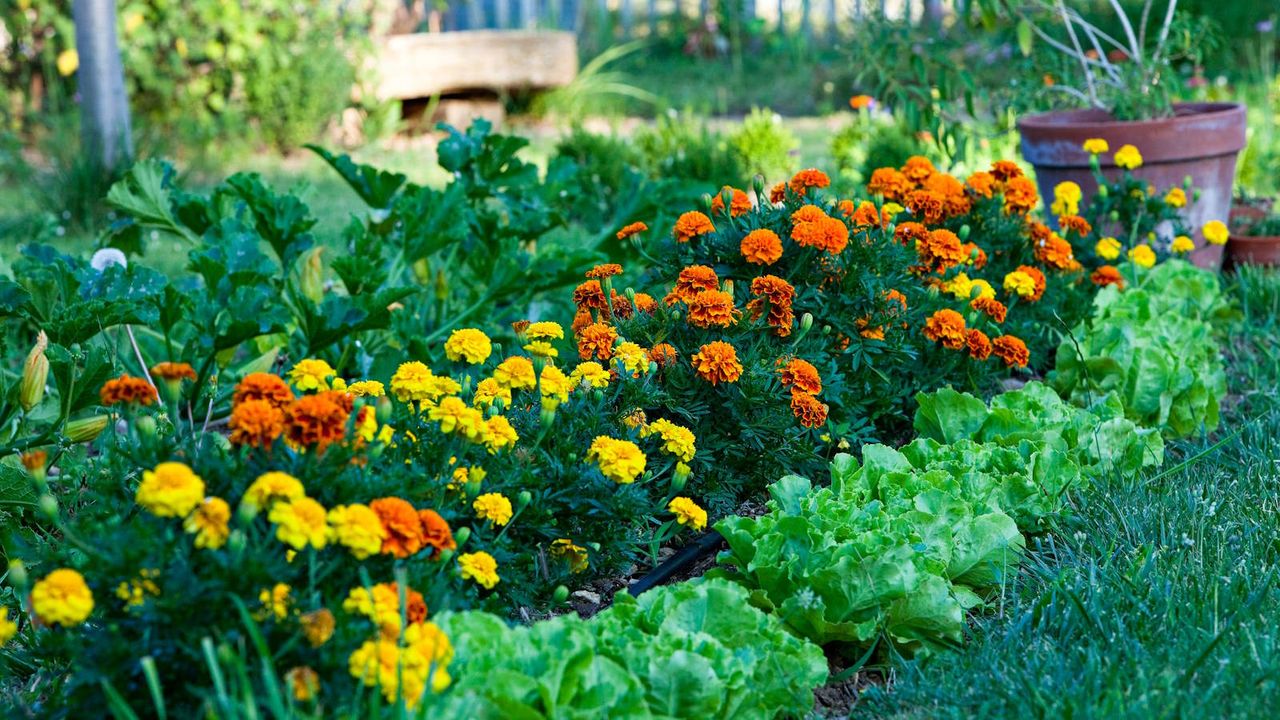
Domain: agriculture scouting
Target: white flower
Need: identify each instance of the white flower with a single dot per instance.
(107, 257)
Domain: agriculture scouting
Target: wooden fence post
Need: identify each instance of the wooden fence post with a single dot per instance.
(104, 116)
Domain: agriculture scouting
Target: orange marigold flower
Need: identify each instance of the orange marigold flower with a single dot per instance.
(403, 526)
(127, 389)
(621, 305)
(778, 193)
(691, 225)
(691, 281)
(761, 247)
(634, 228)
(711, 308)
(263, 386)
(800, 375)
(1011, 350)
(925, 204)
(1020, 195)
(808, 409)
(870, 333)
(645, 303)
(174, 371)
(918, 169)
(1107, 275)
(911, 233)
(983, 184)
(607, 270)
(810, 178)
(581, 319)
(717, 362)
(1039, 279)
(436, 533)
(256, 423)
(974, 255)
(890, 183)
(1076, 224)
(1056, 253)
(827, 234)
(942, 250)
(596, 341)
(740, 204)
(992, 307)
(1005, 170)
(779, 294)
(808, 213)
(861, 102)
(946, 326)
(893, 296)
(590, 296)
(954, 200)
(315, 420)
(663, 354)
(865, 215)
(979, 344)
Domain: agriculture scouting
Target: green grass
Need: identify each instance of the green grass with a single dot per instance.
(1159, 599)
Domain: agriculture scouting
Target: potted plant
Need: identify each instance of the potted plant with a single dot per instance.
(1125, 85)
(1255, 239)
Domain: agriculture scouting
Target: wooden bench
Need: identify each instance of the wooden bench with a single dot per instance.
(423, 65)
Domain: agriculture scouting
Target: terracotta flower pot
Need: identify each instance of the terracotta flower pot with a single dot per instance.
(1245, 249)
(1200, 141)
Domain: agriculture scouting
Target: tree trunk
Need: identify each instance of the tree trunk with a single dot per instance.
(104, 116)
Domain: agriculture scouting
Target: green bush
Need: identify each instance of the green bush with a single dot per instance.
(764, 145)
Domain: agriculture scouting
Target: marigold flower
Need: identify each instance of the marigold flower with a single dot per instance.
(918, 169)
(983, 184)
(405, 671)
(381, 604)
(479, 567)
(634, 359)
(687, 512)
(270, 488)
(62, 598)
(256, 423)
(1216, 232)
(691, 225)
(893, 296)
(619, 460)
(468, 345)
(300, 522)
(1176, 197)
(315, 420)
(1142, 256)
(1096, 146)
(677, 440)
(276, 601)
(889, 183)
(711, 308)
(454, 415)
(717, 362)
(263, 386)
(800, 375)
(499, 434)
(596, 341)
(810, 178)
(954, 200)
(9, 628)
(1128, 157)
(311, 374)
(590, 296)
(808, 409)
(170, 490)
(926, 205)
(761, 247)
(34, 461)
(1107, 275)
(634, 228)
(861, 102)
(1020, 195)
(545, 330)
(663, 354)
(404, 527)
(691, 281)
(1108, 248)
(1056, 253)
(494, 507)
(576, 555)
(357, 528)
(516, 373)
(541, 348)
(993, 308)
(807, 213)
(739, 204)
(645, 303)
(1182, 245)
(1005, 170)
(173, 371)
(778, 193)
(779, 294)
(303, 682)
(366, 388)
(436, 533)
(979, 344)
(127, 389)
(1011, 350)
(413, 382)
(1026, 282)
(824, 233)
(940, 250)
(946, 326)
(208, 522)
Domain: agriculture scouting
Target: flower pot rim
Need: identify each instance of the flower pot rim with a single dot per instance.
(1102, 121)
(1254, 239)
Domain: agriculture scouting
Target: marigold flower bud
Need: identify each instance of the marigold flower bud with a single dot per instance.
(561, 594)
(523, 500)
(757, 184)
(422, 271)
(48, 506)
(35, 374)
(86, 429)
(146, 426)
(18, 577)
(462, 535)
(1102, 189)
(311, 275)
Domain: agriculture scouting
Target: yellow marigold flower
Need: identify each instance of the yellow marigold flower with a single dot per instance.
(381, 604)
(499, 434)
(1066, 198)
(676, 439)
(272, 487)
(8, 628)
(317, 626)
(590, 372)
(135, 592)
(1020, 284)
(171, 490)
(366, 388)
(300, 523)
(1143, 256)
(304, 683)
(1182, 244)
(62, 597)
(1096, 146)
(276, 601)
(516, 373)
(413, 382)
(493, 506)
(1108, 248)
(688, 513)
(67, 62)
(1176, 197)
(1216, 232)
(980, 288)
(620, 460)
(357, 528)
(544, 330)
(555, 385)
(454, 415)
(1128, 157)
(405, 672)
(488, 390)
(311, 374)
(542, 348)
(338, 384)
(366, 424)
(960, 286)
(633, 358)
(468, 345)
(576, 555)
(208, 522)
(480, 567)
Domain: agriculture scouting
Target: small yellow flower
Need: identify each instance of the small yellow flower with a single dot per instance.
(488, 390)
(591, 373)
(1066, 198)
(1128, 157)
(135, 592)
(1216, 232)
(980, 288)
(892, 209)
(676, 439)
(1020, 284)
(357, 528)
(468, 345)
(619, 460)
(208, 522)
(688, 513)
(542, 348)
(62, 597)
(1108, 248)
(576, 555)
(1176, 197)
(413, 382)
(493, 506)
(8, 628)
(272, 487)
(544, 331)
(276, 601)
(499, 434)
(960, 286)
(455, 416)
(304, 683)
(1096, 146)
(1143, 256)
(480, 567)
(311, 374)
(68, 61)
(555, 385)
(300, 523)
(366, 388)
(1182, 245)
(171, 490)
(633, 358)
(515, 373)
(317, 626)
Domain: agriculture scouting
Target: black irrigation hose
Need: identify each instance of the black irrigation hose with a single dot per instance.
(688, 555)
